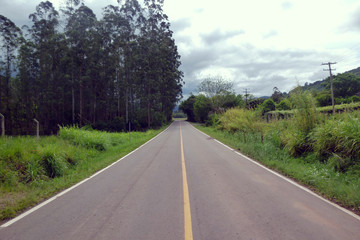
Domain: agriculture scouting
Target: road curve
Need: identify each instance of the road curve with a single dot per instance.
(142, 197)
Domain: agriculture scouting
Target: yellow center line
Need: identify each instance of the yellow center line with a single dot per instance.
(187, 212)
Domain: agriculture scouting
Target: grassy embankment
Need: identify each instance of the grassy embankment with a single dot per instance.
(32, 170)
(319, 151)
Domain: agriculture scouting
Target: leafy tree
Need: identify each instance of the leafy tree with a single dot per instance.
(268, 105)
(277, 96)
(187, 107)
(254, 103)
(10, 35)
(284, 105)
(202, 107)
(218, 91)
(122, 68)
(214, 86)
(346, 85)
(45, 37)
(323, 99)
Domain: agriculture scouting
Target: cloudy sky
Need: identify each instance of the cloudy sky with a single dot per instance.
(256, 44)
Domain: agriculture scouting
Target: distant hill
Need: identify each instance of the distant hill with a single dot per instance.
(320, 85)
(355, 71)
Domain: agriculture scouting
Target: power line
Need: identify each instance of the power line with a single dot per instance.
(246, 95)
(331, 83)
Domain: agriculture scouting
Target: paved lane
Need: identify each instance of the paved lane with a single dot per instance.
(142, 197)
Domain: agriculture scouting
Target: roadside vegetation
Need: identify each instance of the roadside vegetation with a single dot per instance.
(290, 134)
(32, 170)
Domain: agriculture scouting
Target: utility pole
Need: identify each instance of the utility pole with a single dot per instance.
(246, 95)
(331, 83)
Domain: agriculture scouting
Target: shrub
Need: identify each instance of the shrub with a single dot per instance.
(284, 105)
(324, 99)
(242, 120)
(213, 120)
(268, 105)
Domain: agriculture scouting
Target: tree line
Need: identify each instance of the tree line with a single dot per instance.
(216, 96)
(69, 68)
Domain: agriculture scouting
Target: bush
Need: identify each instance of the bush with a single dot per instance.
(284, 105)
(267, 106)
(324, 99)
(214, 120)
(355, 99)
(242, 120)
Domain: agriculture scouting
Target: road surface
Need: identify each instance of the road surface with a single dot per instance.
(185, 185)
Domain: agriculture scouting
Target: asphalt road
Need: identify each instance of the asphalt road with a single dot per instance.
(144, 196)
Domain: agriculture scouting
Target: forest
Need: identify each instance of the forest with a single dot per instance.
(69, 68)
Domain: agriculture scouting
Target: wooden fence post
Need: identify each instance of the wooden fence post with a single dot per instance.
(37, 128)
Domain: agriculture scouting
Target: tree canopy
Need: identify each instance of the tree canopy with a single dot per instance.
(119, 69)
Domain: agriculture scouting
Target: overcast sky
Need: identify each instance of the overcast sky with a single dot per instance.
(257, 44)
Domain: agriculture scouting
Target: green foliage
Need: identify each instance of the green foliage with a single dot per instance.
(88, 139)
(202, 107)
(346, 85)
(305, 111)
(277, 96)
(285, 104)
(159, 119)
(268, 105)
(54, 165)
(187, 107)
(324, 99)
(214, 120)
(254, 103)
(339, 140)
(100, 72)
(242, 120)
(179, 114)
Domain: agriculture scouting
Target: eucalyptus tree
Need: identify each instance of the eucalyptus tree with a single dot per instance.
(81, 31)
(45, 37)
(116, 34)
(154, 35)
(9, 42)
(69, 11)
(134, 15)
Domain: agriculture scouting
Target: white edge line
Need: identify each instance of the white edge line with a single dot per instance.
(284, 178)
(7, 224)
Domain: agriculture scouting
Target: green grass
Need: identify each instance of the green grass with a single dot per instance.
(341, 187)
(33, 170)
